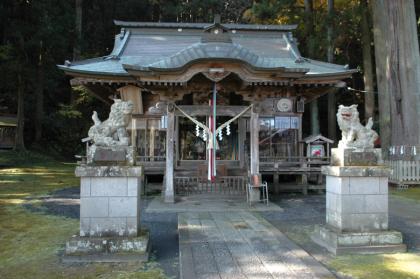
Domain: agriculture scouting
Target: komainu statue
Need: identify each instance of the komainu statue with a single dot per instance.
(112, 131)
(354, 134)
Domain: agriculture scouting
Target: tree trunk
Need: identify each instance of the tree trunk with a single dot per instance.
(330, 32)
(398, 71)
(309, 31)
(20, 144)
(39, 94)
(367, 61)
(314, 117)
(78, 30)
(332, 104)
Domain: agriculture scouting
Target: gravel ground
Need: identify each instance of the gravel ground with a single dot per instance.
(404, 215)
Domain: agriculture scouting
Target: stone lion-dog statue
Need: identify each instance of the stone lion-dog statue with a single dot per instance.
(354, 134)
(112, 131)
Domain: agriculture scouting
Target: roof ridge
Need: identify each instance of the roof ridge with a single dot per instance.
(203, 25)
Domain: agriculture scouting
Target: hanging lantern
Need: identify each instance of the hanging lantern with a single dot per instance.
(220, 135)
(402, 150)
(228, 130)
(414, 150)
(204, 135)
(197, 131)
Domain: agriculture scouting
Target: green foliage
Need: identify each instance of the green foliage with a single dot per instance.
(65, 127)
(38, 35)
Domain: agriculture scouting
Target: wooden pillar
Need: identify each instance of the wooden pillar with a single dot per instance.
(170, 139)
(255, 128)
(255, 154)
(134, 132)
(132, 93)
(241, 139)
(276, 183)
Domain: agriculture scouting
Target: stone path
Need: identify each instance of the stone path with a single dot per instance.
(404, 216)
(209, 203)
(240, 245)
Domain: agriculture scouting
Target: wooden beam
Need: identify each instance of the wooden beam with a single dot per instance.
(195, 110)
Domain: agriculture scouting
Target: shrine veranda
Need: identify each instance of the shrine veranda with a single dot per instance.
(172, 70)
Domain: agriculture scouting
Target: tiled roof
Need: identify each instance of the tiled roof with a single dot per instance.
(167, 46)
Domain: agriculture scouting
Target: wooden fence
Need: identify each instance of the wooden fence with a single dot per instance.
(405, 171)
(225, 185)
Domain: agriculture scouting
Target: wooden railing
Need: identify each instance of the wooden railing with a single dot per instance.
(405, 164)
(298, 160)
(226, 185)
(150, 158)
(404, 171)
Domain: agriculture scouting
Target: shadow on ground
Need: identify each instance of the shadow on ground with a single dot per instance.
(162, 226)
(298, 216)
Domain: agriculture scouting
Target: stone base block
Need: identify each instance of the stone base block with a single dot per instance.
(118, 154)
(340, 243)
(110, 200)
(107, 249)
(356, 157)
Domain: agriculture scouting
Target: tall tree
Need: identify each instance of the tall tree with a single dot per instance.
(39, 94)
(332, 108)
(78, 30)
(310, 48)
(397, 70)
(21, 61)
(367, 59)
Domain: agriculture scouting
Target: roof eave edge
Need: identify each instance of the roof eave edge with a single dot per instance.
(71, 72)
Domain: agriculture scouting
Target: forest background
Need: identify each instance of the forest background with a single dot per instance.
(35, 36)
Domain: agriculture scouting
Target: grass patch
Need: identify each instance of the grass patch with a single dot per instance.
(387, 266)
(384, 266)
(30, 243)
(412, 193)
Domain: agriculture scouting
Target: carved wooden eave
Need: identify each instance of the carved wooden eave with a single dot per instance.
(216, 70)
(101, 81)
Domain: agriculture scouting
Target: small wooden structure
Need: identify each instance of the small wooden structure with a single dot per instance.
(318, 147)
(8, 126)
(160, 65)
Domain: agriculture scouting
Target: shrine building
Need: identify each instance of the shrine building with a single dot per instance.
(256, 74)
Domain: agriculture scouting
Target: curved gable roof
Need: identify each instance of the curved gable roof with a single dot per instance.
(149, 46)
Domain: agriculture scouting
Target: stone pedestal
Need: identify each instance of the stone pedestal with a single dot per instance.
(110, 155)
(109, 215)
(357, 205)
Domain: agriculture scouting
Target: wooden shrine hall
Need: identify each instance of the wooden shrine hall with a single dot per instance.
(171, 71)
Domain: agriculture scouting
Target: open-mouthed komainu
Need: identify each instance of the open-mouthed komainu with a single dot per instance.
(354, 134)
